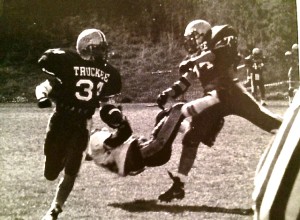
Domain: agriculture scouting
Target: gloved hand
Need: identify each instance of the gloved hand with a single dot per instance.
(44, 103)
(162, 99)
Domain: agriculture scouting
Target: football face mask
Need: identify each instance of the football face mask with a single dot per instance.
(192, 42)
(91, 44)
(196, 35)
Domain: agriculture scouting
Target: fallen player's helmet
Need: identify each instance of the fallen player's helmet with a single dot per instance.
(124, 160)
(92, 44)
(96, 144)
(196, 35)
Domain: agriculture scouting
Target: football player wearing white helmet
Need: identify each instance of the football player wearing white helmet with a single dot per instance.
(91, 44)
(255, 64)
(212, 59)
(78, 82)
(293, 73)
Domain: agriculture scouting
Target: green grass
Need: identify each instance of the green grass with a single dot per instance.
(219, 185)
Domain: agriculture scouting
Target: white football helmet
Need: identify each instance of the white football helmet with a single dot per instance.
(295, 47)
(92, 44)
(256, 52)
(196, 35)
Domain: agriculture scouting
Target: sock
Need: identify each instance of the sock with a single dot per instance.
(182, 177)
(63, 191)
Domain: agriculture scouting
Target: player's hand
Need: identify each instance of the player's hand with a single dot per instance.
(162, 99)
(44, 103)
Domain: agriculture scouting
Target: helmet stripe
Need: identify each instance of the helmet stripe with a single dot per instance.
(102, 36)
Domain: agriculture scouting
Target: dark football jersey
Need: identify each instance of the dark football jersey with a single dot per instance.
(224, 45)
(255, 64)
(82, 83)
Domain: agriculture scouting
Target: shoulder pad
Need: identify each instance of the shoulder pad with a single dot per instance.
(288, 53)
(49, 55)
(248, 57)
(53, 61)
(219, 32)
(61, 52)
(55, 51)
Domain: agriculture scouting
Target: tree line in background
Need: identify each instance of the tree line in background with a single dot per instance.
(146, 36)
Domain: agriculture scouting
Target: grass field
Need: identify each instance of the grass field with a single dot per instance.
(219, 186)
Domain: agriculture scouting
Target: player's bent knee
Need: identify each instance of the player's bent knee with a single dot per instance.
(207, 135)
(52, 169)
(199, 105)
(50, 175)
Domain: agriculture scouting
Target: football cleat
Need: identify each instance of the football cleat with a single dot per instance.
(175, 192)
(52, 214)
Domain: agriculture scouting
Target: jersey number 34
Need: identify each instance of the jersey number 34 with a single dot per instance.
(86, 89)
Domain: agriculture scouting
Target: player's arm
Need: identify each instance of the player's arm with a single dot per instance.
(288, 56)
(188, 64)
(121, 135)
(49, 89)
(248, 61)
(180, 86)
(114, 85)
(186, 67)
(114, 118)
(177, 89)
(42, 92)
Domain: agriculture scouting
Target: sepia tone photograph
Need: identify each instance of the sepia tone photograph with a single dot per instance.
(149, 109)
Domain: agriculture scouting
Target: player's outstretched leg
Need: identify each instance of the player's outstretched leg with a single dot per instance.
(175, 192)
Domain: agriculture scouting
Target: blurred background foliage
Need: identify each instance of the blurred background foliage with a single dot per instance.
(145, 36)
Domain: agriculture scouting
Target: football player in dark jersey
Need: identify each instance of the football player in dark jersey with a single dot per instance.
(79, 80)
(293, 73)
(255, 64)
(212, 59)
